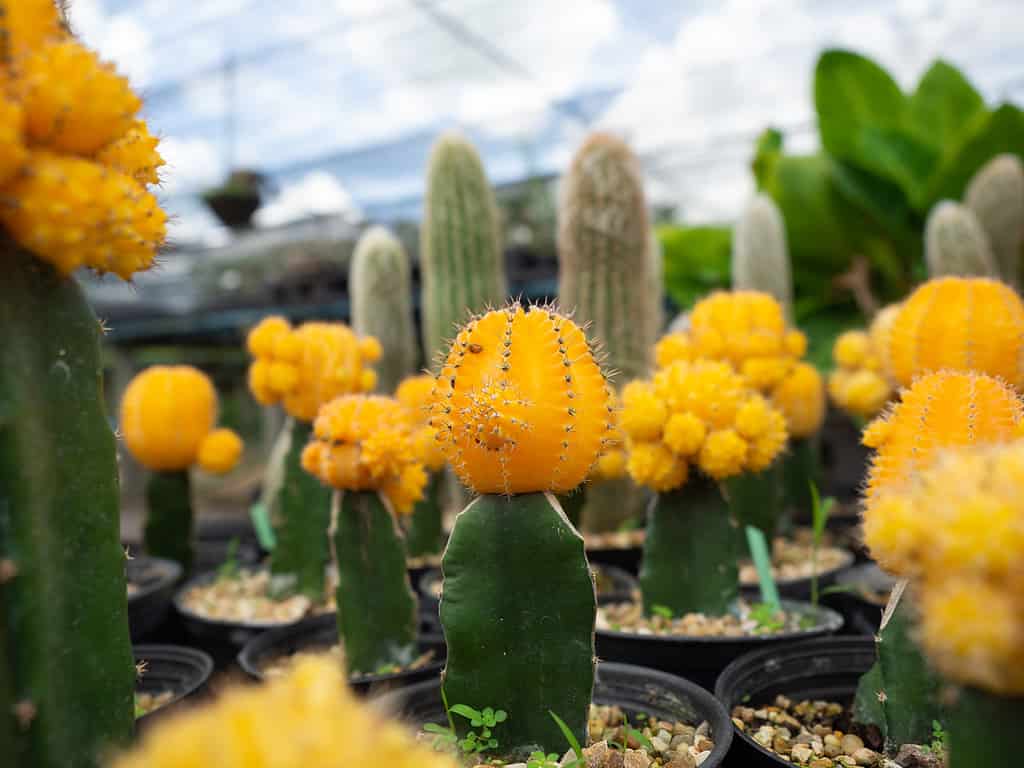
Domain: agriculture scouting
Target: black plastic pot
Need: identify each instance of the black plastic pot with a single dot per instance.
(625, 558)
(800, 589)
(701, 659)
(154, 579)
(185, 671)
(635, 689)
(862, 615)
(322, 632)
(828, 668)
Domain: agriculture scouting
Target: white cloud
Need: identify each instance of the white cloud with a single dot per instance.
(192, 164)
(119, 38)
(317, 193)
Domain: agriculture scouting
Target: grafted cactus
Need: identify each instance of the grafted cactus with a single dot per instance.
(461, 259)
(760, 258)
(523, 411)
(380, 289)
(955, 244)
(996, 196)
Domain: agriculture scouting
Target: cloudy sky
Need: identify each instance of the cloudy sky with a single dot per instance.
(339, 99)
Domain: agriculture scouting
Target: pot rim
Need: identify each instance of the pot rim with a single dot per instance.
(191, 657)
(169, 573)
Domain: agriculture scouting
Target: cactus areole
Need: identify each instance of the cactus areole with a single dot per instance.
(522, 411)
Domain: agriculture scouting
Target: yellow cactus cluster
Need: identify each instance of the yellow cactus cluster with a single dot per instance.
(75, 161)
(415, 394)
(699, 413)
(168, 414)
(747, 329)
(957, 529)
(306, 719)
(366, 443)
(858, 384)
(521, 403)
(305, 367)
(962, 324)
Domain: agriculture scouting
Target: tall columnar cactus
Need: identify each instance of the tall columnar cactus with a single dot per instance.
(303, 368)
(696, 416)
(167, 417)
(941, 411)
(73, 196)
(363, 447)
(380, 287)
(996, 196)
(955, 244)
(760, 258)
(523, 410)
(655, 291)
(307, 719)
(941, 327)
(462, 264)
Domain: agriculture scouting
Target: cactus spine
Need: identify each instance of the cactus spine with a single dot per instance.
(955, 244)
(760, 258)
(996, 196)
(462, 262)
(380, 287)
(66, 673)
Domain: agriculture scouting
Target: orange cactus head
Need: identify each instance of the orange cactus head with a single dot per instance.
(521, 403)
(366, 443)
(305, 367)
(940, 410)
(167, 418)
(959, 324)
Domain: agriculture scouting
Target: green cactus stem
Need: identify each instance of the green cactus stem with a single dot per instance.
(760, 258)
(901, 681)
(572, 504)
(168, 531)
(66, 668)
(984, 730)
(689, 558)
(380, 287)
(518, 611)
(376, 605)
(755, 498)
(424, 534)
(996, 196)
(801, 466)
(300, 514)
(462, 262)
(955, 243)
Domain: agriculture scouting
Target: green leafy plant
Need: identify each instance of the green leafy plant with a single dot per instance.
(820, 511)
(662, 610)
(940, 739)
(630, 732)
(230, 567)
(475, 742)
(540, 760)
(767, 618)
(580, 761)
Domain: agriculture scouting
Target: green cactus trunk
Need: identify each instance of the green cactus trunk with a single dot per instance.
(424, 534)
(300, 514)
(572, 504)
(689, 560)
(462, 263)
(66, 668)
(984, 730)
(380, 287)
(956, 244)
(518, 611)
(168, 531)
(376, 605)
(755, 498)
(760, 258)
(901, 680)
(801, 466)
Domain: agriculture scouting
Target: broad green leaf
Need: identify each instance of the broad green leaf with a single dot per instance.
(696, 261)
(853, 94)
(898, 155)
(942, 107)
(880, 199)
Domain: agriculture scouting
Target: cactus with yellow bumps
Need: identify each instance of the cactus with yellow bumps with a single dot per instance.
(423, 531)
(363, 447)
(996, 196)
(523, 410)
(74, 196)
(306, 719)
(301, 368)
(940, 411)
(168, 415)
(696, 424)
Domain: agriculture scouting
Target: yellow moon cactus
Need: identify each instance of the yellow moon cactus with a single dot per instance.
(962, 324)
(305, 367)
(415, 393)
(521, 403)
(75, 161)
(168, 414)
(699, 413)
(306, 719)
(940, 410)
(858, 384)
(365, 443)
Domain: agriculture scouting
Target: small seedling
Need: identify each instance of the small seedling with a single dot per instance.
(580, 761)
(631, 733)
(820, 510)
(766, 617)
(940, 739)
(540, 760)
(230, 567)
(662, 610)
(473, 743)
